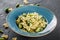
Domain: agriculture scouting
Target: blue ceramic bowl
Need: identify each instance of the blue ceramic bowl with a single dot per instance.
(12, 16)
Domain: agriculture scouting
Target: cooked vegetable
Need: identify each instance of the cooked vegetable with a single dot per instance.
(5, 36)
(1, 31)
(39, 29)
(31, 22)
(7, 10)
(20, 26)
(2, 39)
(15, 38)
(5, 25)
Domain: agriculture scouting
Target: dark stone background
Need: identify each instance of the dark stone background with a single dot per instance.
(53, 5)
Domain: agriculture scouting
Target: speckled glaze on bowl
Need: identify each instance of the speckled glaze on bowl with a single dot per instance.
(49, 15)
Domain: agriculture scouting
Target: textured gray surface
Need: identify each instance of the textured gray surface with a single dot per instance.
(53, 5)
